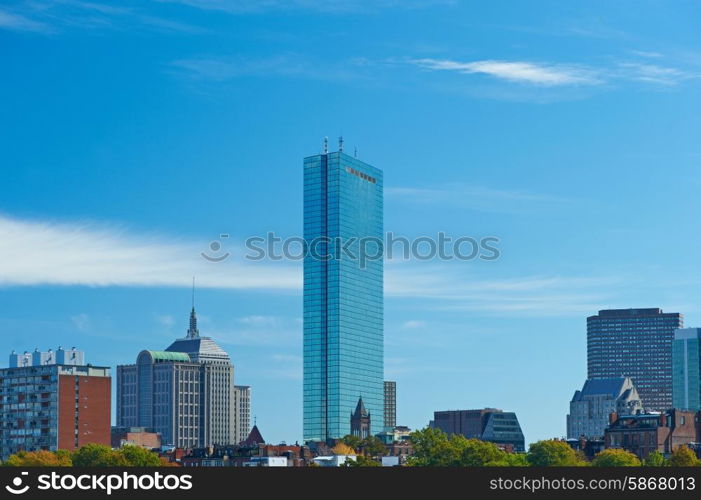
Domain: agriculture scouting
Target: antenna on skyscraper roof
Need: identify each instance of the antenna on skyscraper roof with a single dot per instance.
(355, 152)
(193, 292)
(326, 145)
(340, 144)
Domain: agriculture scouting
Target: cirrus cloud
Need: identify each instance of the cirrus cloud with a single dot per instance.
(516, 71)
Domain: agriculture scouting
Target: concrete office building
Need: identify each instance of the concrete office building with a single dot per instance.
(242, 410)
(184, 393)
(343, 294)
(686, 369)
(390, 405)
(51, 406)
(488, 424)
(590, 408)
(635, 343)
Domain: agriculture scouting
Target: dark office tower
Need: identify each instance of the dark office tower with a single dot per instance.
(635, 343)
(390, 405)
(343, 304)
(489, 424)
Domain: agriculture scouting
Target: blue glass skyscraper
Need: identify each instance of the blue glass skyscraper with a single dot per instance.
(343, 294)
(686, 369)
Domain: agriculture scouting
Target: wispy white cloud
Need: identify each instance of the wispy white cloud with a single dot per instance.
(50, 253)
(545, 74)
(71, 254)
(17, 22)
(53, 16)
(655, 74)
(81, 322)
(444, 287)
(558, 75)
(646, 54)
(165, 320)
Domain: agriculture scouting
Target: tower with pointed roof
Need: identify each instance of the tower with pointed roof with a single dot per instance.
(185, 392)
(360, 420)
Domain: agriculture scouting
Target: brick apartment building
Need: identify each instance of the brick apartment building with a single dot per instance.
(48, 401)
(644, 433)
(135, 436)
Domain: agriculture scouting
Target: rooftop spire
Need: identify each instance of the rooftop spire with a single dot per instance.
(193, 332)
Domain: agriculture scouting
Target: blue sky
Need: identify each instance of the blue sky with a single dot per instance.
(132, 134)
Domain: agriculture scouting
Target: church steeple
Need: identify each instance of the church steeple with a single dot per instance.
(193, 332)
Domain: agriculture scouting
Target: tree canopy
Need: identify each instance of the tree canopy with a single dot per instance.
(41, 458)
(615, 458)
(683, 457)
(89, 455)
(655, 459)
(433, 447)
(552, 453)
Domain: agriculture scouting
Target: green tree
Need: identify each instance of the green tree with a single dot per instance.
(433, 448)
(362, 461)
(41, 458)
(97, 455)
(373, 446)
(512, 460)
(615, 458)
(552, 453)
(352, 441)
(476, 453)
(136, 456)
(655, 459)
(683, 457)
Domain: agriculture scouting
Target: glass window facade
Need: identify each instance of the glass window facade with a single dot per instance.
(343, 295)
(635, 343)
(686, 369)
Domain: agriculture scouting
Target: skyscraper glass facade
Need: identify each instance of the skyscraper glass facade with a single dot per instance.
(635, 343)
(686, 369)
(343, 294)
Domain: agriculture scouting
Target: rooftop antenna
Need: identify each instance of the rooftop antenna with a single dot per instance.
(193, 292)
(326, 145)
(355, 152)
(340, 144)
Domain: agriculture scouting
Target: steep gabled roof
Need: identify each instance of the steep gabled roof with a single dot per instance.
(360, 410)
(254, 438)
(610, 386)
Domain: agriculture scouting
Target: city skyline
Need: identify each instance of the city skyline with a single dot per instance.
(134, 139)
